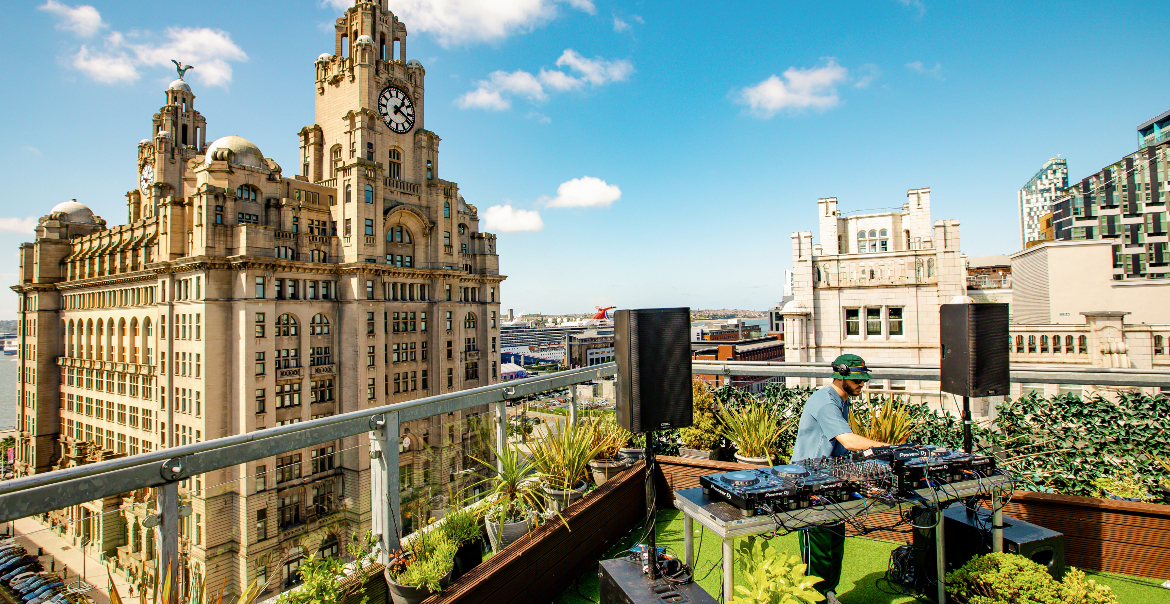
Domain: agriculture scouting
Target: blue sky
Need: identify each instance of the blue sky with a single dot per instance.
(669, 148)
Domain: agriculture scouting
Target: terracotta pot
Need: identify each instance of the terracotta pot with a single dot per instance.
(563, 499)
(753, 461)
(696, 453)
(500, 535)
(604, 470)
(467, 557)
(405, 594)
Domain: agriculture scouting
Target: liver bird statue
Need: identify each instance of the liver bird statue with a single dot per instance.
(182, 70)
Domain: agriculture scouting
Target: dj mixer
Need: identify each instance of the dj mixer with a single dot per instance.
(884, 472)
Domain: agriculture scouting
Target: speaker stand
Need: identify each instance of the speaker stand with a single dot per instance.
(651, 514)
(967, 445)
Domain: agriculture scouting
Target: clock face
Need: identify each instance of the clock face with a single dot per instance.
(397, 110)
(147, 179)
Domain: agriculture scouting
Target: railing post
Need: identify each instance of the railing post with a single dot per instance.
(501, 430)
(384, 493)
(168, 511)
(573, 405)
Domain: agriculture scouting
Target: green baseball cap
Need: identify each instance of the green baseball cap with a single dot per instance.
(850, 361)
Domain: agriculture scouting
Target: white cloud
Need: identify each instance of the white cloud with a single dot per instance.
(919, 67)
(31, 150)
(866, 75)
(539, 117)
(119, 60)
(620, 24)
(918, 5)
(18, 225)
(83, 20)
(596, 71)
(585, 192)
(506, 219)
(813, 88)
(496, 92)
(491, 92)
(454, 22)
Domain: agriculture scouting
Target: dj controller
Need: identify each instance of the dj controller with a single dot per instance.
(883, 472)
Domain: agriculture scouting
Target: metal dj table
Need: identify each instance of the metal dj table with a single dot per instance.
(728, 522)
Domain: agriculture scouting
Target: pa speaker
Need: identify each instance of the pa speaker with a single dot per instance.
(975, 347)
(653, 351)
(967, 533)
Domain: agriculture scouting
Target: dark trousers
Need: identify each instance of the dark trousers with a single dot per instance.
(822, 549)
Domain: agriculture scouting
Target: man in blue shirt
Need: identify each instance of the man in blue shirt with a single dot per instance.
(824, 432)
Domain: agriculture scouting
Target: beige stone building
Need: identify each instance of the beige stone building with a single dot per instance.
(236, 298)
(873, 287)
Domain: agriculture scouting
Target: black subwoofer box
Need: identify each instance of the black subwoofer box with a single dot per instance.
(968, 534)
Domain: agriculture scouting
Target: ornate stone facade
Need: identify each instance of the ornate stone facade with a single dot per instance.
(236, 298)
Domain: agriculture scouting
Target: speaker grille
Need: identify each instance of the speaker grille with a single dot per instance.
(653, 351)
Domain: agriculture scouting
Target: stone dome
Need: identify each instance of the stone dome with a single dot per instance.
(179, 85)
(237, 150)
(74, 212)
(326, 57)
(794, 307)
(414, 63)
(364, 39)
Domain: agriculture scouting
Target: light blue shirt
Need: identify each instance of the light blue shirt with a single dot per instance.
(825, 417)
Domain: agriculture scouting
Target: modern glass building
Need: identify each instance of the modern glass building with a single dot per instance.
(1125, 202)
(1037, 196)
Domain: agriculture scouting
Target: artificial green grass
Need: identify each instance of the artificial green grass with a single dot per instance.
(862, 579)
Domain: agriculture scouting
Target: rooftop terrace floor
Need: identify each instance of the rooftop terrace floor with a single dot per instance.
(862, 580)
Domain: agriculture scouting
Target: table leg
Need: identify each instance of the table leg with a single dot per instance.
(996, 521)
(940, 543)
(689, 541)
(728, 570)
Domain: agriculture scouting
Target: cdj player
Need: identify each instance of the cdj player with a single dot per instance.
(778, 488)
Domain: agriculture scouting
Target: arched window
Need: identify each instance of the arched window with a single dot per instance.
(122, 341)
(1159, 345)
(1056, 344)
(885, 240)
(469, 321)
(334, 160)
(98, 335)
(348, 194)
(287, 253)
(1031, 343)
(1019, 343)
(69, 352)
(462, 229)
(446, 209)
(398, 234)
(247, 193)
(134, 340)
(1043, 343)
(369, 194)
(286, 325)
(1083, 345)
(319, 325)
(395, 164)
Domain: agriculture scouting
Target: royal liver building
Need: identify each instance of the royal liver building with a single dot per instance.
(237, 298)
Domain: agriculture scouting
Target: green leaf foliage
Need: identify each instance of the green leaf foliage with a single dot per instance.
(1013, 579)
(771, 577)
(703, 434)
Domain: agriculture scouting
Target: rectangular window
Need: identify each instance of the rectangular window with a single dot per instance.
(259, 363)
(260, 403)
(852, 321)
(258, 330)
(370, 354)
(371, 388)
(369, 323)
(369, 290)
(895, 321)
(369, 227)
(348, 227)
(873, 321)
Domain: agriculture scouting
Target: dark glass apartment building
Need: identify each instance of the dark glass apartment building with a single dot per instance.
(1125, 202)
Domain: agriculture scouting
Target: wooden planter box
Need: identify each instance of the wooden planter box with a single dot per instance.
(548, 559)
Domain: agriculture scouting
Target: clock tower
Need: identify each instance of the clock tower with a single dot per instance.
(369, 141)
(178, 133)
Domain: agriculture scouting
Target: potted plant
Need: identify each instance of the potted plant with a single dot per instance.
(634, 449)
(464, 530)
(608, 439)
(421, 568)
(771, 577)
(754, 428)
(1126, 486)
(887, 421)
(562, 459)
(514, 492)
(700, 439)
